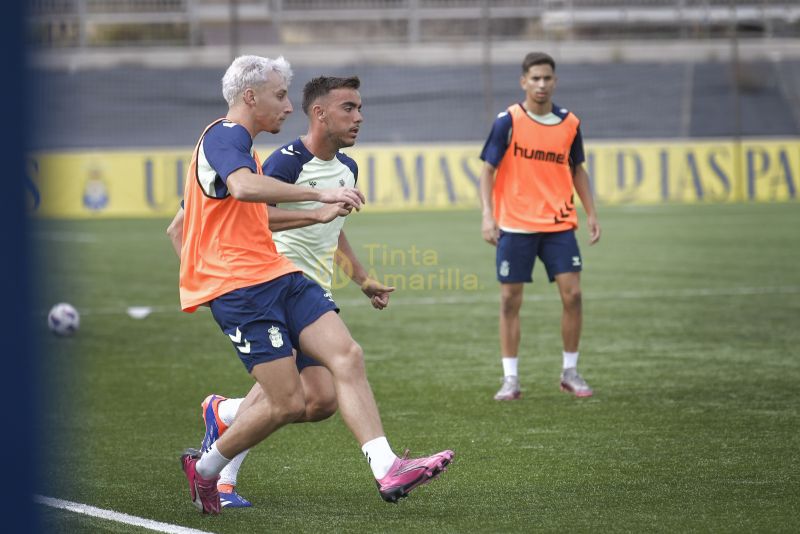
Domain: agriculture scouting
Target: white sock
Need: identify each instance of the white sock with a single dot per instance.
(570, 359)
(510, 365)
(227, 410)
(379, 455)
(211, 463)
(229, 472)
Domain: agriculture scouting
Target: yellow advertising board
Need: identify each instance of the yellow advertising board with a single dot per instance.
(149, 183)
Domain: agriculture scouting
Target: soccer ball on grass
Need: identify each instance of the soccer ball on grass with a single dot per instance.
(63, 319)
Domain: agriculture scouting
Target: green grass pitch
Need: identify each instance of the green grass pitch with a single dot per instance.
(691, 336)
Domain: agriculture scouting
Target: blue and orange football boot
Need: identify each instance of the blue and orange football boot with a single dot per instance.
(229, 498)
(214, 425)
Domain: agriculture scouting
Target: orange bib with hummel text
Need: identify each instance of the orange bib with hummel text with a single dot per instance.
(533, 189)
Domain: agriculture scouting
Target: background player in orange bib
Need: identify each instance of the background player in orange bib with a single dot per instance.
(533, 164)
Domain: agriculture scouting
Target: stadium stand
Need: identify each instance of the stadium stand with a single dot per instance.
(99, 23)
(432, 70)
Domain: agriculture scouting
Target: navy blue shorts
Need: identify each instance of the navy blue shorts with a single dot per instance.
(516, 254)
(264, 321)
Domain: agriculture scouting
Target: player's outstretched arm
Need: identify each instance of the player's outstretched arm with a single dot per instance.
(346, 259)
(580, 178)
(282, 219)
(489, 228)
(247, 186)
(175, 231)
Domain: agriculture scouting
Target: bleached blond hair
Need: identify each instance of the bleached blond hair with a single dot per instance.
(252, 71)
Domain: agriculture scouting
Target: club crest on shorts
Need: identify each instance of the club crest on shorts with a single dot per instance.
(504, 268)
(275, 337)
(328, 295)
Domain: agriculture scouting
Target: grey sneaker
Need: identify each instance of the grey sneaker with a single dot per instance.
(572, 382)
(509, 390)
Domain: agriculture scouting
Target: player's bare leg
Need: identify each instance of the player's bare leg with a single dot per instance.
(282, 403)
(318, 391)
(569, 287)
(510, 305)
(253, 396)
(320, 394)
(320, 403)
(329, 341)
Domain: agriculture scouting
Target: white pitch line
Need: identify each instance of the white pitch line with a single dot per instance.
(116, 516)
(467, 298)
